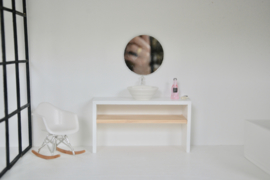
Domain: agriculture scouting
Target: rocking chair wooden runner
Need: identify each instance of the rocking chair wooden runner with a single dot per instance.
(58, 124)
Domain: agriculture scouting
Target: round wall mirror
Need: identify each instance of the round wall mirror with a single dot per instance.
(143, 54)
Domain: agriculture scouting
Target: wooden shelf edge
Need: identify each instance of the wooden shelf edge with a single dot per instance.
(142, 121)
(176, 119)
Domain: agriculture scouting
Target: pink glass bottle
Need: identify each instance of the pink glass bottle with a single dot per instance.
(175, 90)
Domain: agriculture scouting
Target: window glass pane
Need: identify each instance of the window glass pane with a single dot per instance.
(23, 84)
(2, 146)
(13, 137)
(9, 39)
(25, 133)
(2, 109)
(19, 5)
(7, 4)
(11, 88)
(20, 37)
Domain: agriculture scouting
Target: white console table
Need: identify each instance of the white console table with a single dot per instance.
(182, 116)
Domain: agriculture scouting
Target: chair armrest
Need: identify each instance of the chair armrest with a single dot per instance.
(43, 119)
(35, 114)
(70, 118)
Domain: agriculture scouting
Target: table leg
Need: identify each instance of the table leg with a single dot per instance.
(188, 129)
(94, 129)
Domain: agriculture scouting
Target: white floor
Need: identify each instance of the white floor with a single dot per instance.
(141, 163)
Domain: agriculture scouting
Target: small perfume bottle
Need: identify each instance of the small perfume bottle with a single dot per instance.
(175, 93)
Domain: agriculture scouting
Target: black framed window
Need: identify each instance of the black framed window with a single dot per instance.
(15, 107)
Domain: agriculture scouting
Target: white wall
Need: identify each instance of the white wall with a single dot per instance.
(218, 50)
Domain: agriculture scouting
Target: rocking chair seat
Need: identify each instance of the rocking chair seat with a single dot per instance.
(61, 129)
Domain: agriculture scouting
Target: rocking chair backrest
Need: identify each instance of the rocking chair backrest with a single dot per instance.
(49, 112)
(56, 120)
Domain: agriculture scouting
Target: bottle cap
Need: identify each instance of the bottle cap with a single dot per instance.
(174, 78)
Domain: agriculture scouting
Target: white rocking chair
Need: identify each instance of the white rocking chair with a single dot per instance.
(58, 124)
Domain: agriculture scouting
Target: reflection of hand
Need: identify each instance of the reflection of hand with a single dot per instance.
(138, 53)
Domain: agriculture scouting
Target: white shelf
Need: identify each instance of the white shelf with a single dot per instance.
(157, 110)
(131, 101)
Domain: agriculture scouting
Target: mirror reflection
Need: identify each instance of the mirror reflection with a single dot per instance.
(143, 54)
